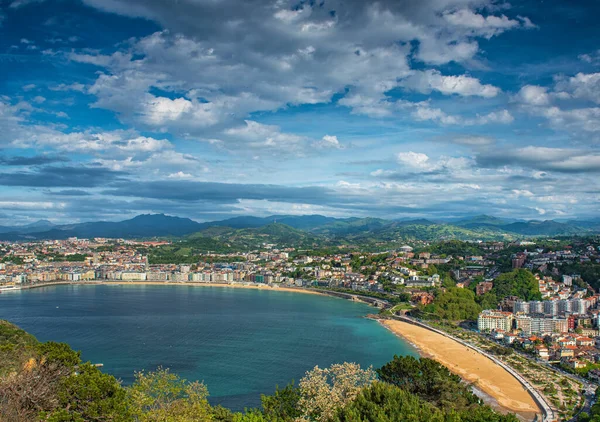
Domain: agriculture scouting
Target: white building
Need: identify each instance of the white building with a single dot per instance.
(495, 320)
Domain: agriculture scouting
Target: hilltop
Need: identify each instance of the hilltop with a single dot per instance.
(304, 229)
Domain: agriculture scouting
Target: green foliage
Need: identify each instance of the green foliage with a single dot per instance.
(89, 395)
(519, 282)
(16, 345)
(384, 402)
(487, 301)
(60, 353)
(282, 405)
(163, 396)
(387, 403)
(429, 380)
(454, 304)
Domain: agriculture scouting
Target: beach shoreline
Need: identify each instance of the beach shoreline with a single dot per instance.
(503, 391)
(264, 287)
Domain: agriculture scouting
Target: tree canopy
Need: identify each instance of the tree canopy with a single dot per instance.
(520, 282)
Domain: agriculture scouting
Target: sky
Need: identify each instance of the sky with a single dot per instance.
(210, 109)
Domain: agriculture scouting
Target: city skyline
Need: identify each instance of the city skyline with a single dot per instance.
(212, 109)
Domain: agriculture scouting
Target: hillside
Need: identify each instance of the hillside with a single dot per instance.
(304, 229)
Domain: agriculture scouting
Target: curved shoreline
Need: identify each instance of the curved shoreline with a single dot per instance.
(473, 367)
(264, 287)
(485, 379)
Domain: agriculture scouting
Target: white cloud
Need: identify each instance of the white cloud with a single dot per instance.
(362, 51)
(424, 112)
(258, 135)
(534, 95)
(413, 159)
(180, 175)
(433, 80)
(328, 141)
(487, 26)
(523, 192)
(584, 86)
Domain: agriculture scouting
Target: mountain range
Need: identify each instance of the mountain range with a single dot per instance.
(159, 225)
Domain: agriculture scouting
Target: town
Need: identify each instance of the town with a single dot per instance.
(537, 298)
(560, 325)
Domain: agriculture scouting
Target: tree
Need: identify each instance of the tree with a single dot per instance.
(520, 282)
(90, 396)
(324, 391)
(429, 380)
(455, 304)
(59, 353)
(383, 402)
(488, 300)
(163, 396)
(282, 405)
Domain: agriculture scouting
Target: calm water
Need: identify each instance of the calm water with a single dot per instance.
(240, 342)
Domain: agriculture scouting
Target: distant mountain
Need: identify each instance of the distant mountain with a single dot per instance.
(542, 228)
(586, 224)
(303, 229)
(147, 225)
(418, 222)
(481, 221)
(302, 222)
(37, 226)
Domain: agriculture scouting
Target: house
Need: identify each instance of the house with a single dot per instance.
(567, 352)
(542, 352)
(584, 341)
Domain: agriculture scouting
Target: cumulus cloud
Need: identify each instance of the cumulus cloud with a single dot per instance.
(329, 141)
(487, 26)
(358, 49)
(433, 80)
(534, 95)
(413, 159)
(584, 86)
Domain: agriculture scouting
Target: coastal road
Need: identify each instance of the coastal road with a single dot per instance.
(547, 411)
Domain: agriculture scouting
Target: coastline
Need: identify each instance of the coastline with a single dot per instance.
(162, 283)
(506, 392)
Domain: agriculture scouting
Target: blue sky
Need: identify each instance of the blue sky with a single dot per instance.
(215, 108)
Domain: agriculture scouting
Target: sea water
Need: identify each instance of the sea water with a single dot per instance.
(239, 342)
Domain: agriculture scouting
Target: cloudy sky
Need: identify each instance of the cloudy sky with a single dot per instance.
(214, 108)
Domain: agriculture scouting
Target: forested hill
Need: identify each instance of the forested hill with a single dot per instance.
(49, 382)
(318, 226)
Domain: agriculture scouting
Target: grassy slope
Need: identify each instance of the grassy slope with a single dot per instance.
(16, 345)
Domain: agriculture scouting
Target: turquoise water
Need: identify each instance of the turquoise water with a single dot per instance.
(240, 342)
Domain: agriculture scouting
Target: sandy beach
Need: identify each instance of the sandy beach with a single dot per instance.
(473, 367)
(231, 286)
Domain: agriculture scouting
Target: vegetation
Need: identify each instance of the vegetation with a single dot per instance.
(454, 304)
(48, 382)
(520, 283)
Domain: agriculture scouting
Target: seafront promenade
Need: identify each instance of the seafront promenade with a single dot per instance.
(488, 378)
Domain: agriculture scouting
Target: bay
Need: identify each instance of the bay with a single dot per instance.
(240, 342)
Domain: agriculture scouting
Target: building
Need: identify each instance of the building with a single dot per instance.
(133, 276)
(519, 260)
(417, 281)
(495, 320)
(483, 287)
